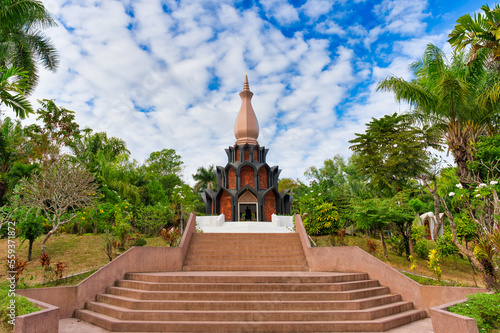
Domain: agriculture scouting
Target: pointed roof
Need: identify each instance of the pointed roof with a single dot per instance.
(246, 127)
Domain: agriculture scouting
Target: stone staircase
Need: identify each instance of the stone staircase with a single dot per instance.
(248, 283)
(245, 252)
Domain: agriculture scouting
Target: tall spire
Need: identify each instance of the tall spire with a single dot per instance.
(246, 127)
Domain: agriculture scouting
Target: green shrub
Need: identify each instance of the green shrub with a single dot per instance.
(445, 244)
(139, 242)
(323, 221)
(396, 244)
(421, 249)
(484, 308)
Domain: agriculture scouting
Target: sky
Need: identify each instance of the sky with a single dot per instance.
(167, 74)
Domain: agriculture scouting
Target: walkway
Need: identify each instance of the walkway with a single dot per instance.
(73, 325)
(245, 227)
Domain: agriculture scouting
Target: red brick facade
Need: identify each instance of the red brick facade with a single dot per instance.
(263, 178)
(255, 155)
(247, 176)
(247, 154)
(269, 205)
(226, 206)
(231, 175)
(237, 152)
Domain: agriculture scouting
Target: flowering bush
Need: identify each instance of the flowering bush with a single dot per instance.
(478, 212)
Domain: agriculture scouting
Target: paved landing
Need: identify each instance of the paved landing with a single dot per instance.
(73, 325)
(245, 227)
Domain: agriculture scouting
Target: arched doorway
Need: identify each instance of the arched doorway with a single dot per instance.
(248, 209)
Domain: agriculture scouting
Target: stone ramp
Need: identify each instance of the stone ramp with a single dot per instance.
(245, 252)
(248, 302)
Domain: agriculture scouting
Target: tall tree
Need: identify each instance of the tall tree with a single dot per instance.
(392, 152)
(449, 95)
(205, 179)
(482, 31)
(22, 42)
(13, 82)
(59, 131)
(58, 191)
(163, 163)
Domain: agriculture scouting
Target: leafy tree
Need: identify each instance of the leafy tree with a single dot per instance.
(205, 179)
(288, 184)
(392, 152)
(10, 154)
(486, 164)
(13, 82)
(58, 191)
(96, 149)
(323, 220)
(401, 216)
(163, 163)
(30, 225)
(58, 132)
(150, 220)
(122, 176)
(373, 214)
(482, 31)
(451, 96)
(22, 43)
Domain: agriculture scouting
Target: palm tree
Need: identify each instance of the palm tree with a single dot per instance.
(94, 149)
(12, 84)
(451, 96)
(482, 31)
(22, 43)
(205, 178)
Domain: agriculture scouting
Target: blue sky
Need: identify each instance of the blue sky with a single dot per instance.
(166, 74)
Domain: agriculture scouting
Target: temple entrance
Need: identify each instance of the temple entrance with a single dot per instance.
(247, 207)
(247, 212)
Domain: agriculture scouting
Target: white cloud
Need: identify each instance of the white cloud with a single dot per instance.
(281, 10)
(316, 8)
(311, 95)
(404, 17)
(329, 27)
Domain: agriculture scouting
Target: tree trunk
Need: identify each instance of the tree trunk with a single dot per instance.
(383, 244)
(466, 252)
(407, 247)
(46, 238)
(30, 248)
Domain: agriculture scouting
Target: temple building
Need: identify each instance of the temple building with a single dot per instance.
(247, 187)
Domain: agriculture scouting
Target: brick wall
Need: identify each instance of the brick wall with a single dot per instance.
(231, 175)
(263, 178)
(269, 205)
(237, 152)
(247, 176)
(256, 154)
(247, 154)
(226, 205)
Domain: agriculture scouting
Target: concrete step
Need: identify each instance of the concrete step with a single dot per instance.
(381, 324)
(262, 305)
(248, 295)
(240, 267)
(245, 256)
(251, 277)
(246, 315)
(226, 262)
(179, 286)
